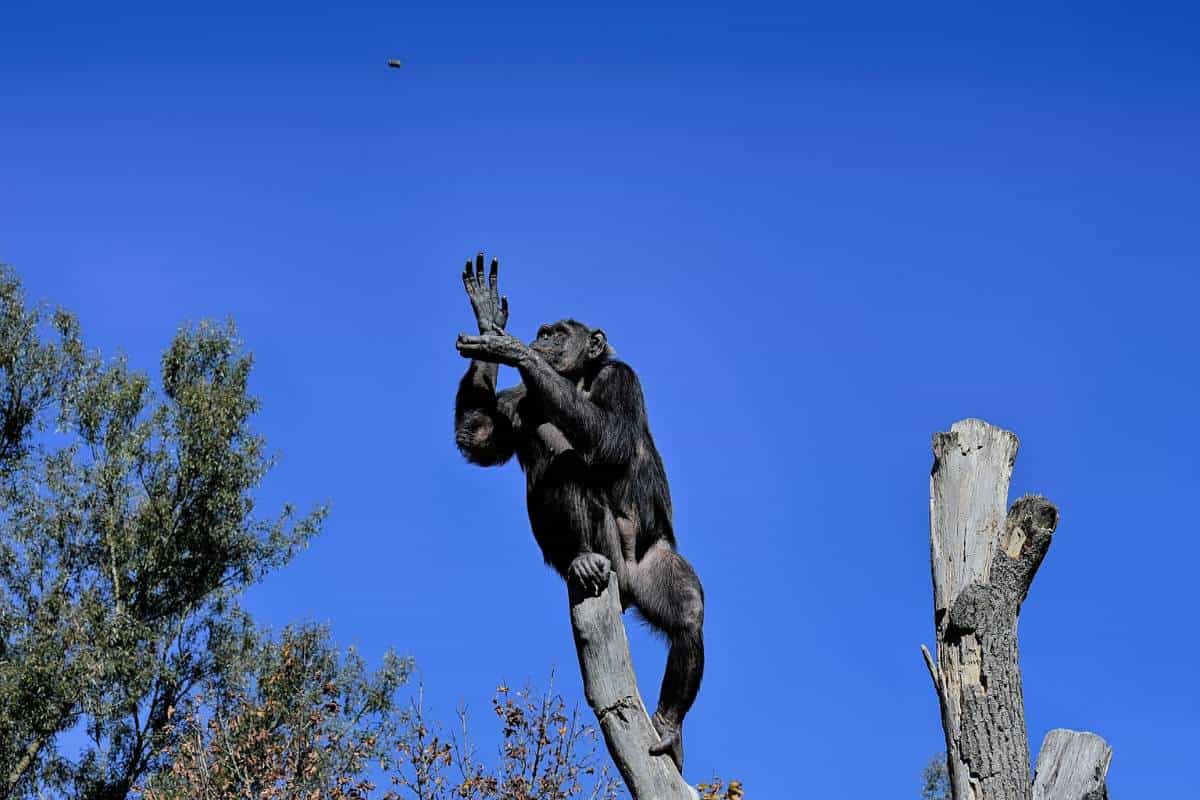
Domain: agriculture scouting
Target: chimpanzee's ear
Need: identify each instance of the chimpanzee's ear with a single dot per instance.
(597, 344)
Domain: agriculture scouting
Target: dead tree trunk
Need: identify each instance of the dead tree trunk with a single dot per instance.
(611, 689)
(983, 563)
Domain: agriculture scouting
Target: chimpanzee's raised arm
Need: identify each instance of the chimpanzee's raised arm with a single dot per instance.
(485, 423)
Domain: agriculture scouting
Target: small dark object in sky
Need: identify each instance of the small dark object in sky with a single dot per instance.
(596, 490)
(394, 63)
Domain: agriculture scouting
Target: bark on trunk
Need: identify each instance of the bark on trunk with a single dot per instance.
(983, 562)
(611, 689)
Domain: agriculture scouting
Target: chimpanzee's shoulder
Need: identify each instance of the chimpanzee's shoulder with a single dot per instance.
(617, 373)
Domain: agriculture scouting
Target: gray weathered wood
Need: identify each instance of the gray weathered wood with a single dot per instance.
(1072, 766)
(968, 497)
(983, 562)
(611, 689)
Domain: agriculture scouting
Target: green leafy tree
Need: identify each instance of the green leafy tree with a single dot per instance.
(127, 531)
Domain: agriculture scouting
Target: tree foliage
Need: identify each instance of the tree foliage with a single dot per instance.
(306, 723)
(311, 724)
(546, 752)
(127, 530)
(719, 790)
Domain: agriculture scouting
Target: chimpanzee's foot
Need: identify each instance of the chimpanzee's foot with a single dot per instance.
(590, 571)
(670, 740)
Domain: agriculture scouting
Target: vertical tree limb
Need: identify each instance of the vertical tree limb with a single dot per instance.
(611, 689)
(983, 562)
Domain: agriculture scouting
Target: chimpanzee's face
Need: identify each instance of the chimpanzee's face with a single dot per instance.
(564, 345)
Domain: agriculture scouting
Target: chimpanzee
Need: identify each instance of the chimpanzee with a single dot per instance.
(595, 486)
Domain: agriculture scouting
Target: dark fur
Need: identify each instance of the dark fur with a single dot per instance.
(612, 464)
(594, 484)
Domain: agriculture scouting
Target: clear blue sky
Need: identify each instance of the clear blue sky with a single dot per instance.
(819, 233)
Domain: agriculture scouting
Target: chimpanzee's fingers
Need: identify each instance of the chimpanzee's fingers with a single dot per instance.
(479, 270)
(470, 280)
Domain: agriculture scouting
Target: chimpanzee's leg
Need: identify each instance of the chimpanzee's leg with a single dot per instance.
(592, 525)
(668, 594)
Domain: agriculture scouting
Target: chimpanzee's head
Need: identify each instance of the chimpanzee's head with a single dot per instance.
(570, 347)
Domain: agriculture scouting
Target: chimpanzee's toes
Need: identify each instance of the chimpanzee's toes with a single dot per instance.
(590, 572)
(670, 741)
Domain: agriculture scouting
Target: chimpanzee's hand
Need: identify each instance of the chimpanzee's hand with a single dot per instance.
(495, 348)
(491, 310)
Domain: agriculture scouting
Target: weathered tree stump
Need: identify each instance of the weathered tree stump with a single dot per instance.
(1071, 766)
(983, 562)
(611, 689)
